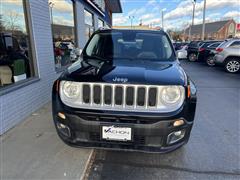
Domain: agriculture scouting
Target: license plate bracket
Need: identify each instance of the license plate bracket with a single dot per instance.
(116, 133)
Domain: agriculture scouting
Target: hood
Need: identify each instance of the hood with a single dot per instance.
(146, 72)
(133, 72)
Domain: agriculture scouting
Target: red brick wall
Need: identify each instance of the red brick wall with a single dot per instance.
(223, 32)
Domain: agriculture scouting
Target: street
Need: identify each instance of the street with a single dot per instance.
(213, 151)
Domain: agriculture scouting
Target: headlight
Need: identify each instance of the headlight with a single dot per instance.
(70, 89)
(170, 95)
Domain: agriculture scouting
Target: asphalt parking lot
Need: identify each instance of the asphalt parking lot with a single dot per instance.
(213, 151)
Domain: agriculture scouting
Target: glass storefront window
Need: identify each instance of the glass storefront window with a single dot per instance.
(100, 23)
(89, 24)
(16, 61)
(63, 29)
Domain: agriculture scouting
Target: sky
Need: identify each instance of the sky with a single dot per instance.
(177, 13)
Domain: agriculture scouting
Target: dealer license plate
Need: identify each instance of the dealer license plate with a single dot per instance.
(116, 133)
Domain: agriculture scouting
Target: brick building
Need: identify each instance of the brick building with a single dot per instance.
(26, 81)
(238, 30)
(219, 30)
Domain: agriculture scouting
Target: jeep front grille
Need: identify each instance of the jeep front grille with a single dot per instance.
(130, 96)
(125, 97)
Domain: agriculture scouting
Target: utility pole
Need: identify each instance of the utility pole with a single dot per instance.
(194, 3)
(203, 26)
(189, 32)
(163, 18)
(162, 21)
(193, 13)
(131, 19)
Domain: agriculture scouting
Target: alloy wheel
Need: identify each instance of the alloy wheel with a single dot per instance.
(210, 61)
(233, 66)
(192, 57)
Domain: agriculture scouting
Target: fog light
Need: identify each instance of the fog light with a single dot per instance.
(178, 123)
(64, 129)
(175, 136)
(178, 133)
(61, 115)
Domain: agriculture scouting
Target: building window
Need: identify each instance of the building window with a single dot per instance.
(89, 24)
(16, 58)
(231, 29)
(100, 23)
(63, 30)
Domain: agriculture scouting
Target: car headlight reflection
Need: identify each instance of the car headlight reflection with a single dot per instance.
(71, 89)
(170, 95)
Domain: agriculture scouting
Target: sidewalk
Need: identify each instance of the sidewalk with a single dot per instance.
(32, 150)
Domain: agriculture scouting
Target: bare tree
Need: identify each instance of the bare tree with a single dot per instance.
(12, 21)
(2, 28)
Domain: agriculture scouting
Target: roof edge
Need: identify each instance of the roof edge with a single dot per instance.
(119, 7)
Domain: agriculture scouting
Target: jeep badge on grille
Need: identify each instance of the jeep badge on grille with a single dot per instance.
(123, 80)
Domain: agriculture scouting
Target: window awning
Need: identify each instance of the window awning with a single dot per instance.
(115, 6)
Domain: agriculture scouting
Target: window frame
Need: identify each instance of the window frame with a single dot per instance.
(34, 68)
(75, 33)
(102, 21)
(90, 12)
(90, 27)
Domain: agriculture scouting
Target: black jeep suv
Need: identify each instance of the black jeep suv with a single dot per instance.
(127, 92)
(192, 50)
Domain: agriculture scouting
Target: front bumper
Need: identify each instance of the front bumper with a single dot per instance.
(150, 130)
(85, 130)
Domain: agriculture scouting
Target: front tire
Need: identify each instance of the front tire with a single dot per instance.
(232, 65)
(192, 57)
(210, 61)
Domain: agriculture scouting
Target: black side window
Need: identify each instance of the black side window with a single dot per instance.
(235, 44)
(215, 45)
(205, 45)
(193, 44)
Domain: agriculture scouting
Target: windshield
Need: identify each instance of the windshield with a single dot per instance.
(130, 45)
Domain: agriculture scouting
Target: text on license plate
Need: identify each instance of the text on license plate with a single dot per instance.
(116, 133)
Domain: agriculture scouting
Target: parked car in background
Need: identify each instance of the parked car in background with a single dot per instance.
(182, 53)
(75, 54)
(63, 52)
(228, 55)
(210, 53)
(207, 51)
(192, 50)
(179, 45)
